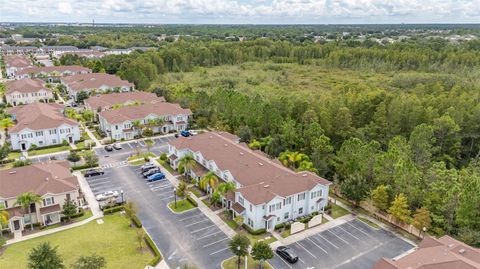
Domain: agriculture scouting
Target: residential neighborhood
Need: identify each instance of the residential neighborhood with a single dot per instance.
(250, 146)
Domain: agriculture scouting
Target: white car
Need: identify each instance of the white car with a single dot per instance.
(192, 132)
(106, 195)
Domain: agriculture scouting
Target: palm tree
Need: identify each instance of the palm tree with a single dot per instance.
(5, 124)
(209, 179)
(225, 187)
(148, 144)
(4, 216)
(25, 200)
(137, 125)
(188, 163)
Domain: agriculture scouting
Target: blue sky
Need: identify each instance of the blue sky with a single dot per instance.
(242, 11)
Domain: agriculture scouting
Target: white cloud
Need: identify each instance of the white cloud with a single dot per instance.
(243, 11)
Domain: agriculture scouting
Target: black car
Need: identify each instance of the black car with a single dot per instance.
(151, 172)
(94, 172)
(287, 253)
(108, 148)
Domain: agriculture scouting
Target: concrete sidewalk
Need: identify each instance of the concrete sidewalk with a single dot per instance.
(202, 207)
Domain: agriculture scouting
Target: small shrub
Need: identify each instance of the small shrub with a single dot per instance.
(136, 221)
(254, 232)
(111, 210)
(21, 163)
(192, 201)
(279, 226)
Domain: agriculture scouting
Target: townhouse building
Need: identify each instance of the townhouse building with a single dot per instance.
(102, 102)
(41, 124)
(15, 63)
(51, 180)
(267, 193)
(120, 123)
(432, 253)
(95, 82)
(52, 73)
(27, 91)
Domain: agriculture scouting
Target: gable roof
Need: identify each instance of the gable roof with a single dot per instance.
(39, 178)
(141, 111)
(38, 116)
(19, 61)
(442, 253)
(261, 178)
(25, 85)
(94, 80)
(50, 69)
(110, 99)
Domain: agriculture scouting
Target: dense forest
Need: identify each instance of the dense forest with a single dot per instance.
(398, 121)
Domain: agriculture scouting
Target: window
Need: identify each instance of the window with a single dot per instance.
(251, 208)
(240, 200)
(301, 197)
(68, 196)
(286, 215)
(271, 208)
(48, 201)
(54, 141)
(61, 131)
(39, 133)
(116, 127)
(278, 219)
(53, 131)
(300, 210)
(278, 206)
(179, 118)
(316, 194)
(250, 222)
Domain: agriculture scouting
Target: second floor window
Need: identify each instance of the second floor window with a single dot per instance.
(301, 197)
(48, 201)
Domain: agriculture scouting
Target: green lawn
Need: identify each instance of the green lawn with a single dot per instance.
(338, 211)
(141, 156)
(231, 263)
(182, 205)
(114, 240)
(285, 233)
(137, 163)
(48, 150)
(369, 222)
(14, 155)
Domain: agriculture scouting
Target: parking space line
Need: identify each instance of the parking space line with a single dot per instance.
(218, 251)
(191, 217)
(207, 235)
(191, 224)
(201, 229)
(170, 197)
(348, 233)
(161, 187)
(353, 226)
(213, 243)
(338, 237)
(317, 245)
(90, 179)
(162, 195)
(327, 241)
(306, 250)
(283, 260)
(95, 184)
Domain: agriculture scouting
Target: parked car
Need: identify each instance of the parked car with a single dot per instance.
(117, 146)
(93, 172)
(147, 167)
(287, 254)
(106, 195)
(151, 172)
(185, 133)
(108, 148)
(155, 177)
(193, 132)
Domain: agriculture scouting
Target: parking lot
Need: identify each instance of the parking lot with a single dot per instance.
(352, 245)
(186, 238)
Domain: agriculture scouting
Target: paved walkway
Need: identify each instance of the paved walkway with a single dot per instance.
(202, 207)
(91, 135)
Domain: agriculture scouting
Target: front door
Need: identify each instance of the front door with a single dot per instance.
(16, 225)
(23, 146)
(270, 225)
(70, 139)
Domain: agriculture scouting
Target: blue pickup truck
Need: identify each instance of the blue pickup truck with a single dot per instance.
(155, 177)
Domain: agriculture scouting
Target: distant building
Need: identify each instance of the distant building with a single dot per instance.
(52, 73)
(104, 102)
(266, 193)
(119, 123)
(95, 82)
(42, 125)
(432, 253)
(16, 63)
(52, 181)
(27, 91)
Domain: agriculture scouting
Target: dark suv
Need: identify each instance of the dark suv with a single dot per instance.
(287, 253)
(94, 172)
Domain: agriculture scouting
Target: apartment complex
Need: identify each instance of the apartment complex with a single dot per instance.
(267, 193)
(52, 73)
(95, 82)
(432, 253)
(15, 63)
(42, 125)
(27, 91)
(120, 123)
(104, 102)
(52, 181)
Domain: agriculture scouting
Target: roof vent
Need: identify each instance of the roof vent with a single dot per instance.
(304, 175)
(241, 153)
(261, 183)
(46, 178)
(12, 172)
(226, 145)
(461, 251)
(261, 164)
(211, 136)
(266, 186)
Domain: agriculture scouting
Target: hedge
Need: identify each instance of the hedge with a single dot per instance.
(279, 226)
(84, 166)
(7, 161)
(154, 249)
(191, 200)
(136, 221)
(76, 215)
(112, 210)
(254, 232)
